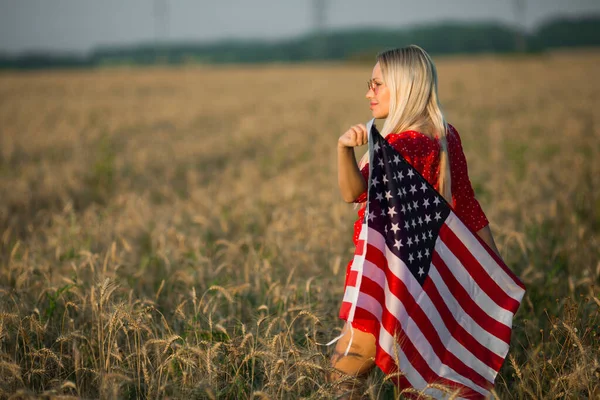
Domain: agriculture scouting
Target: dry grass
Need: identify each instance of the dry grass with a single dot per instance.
(178, 233)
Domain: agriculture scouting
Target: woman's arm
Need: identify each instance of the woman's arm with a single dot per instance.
(350, 180)
(485, 234)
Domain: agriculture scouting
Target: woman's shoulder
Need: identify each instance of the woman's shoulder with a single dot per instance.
(453, 137)
(413, 142)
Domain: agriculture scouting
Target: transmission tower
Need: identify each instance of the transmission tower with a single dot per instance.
(161, 27)
(319, 15)
(161, 20)
(320, 47)
(519, 8)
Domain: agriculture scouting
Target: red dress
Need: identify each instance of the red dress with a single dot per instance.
(423, 154)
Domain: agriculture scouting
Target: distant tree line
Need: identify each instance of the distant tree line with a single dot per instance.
(353, 44)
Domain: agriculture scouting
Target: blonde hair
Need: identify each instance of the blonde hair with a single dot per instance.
(411, 77)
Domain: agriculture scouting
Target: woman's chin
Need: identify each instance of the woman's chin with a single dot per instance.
(378, 115)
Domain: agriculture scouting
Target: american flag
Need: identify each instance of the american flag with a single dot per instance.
(438, 300)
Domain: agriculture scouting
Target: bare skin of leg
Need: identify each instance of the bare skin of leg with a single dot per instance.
(357, 363)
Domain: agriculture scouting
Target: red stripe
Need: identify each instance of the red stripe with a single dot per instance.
(345, 310)
(474, 268)
(417, 314)
(488, 323)
(391, 324)
(351, 278)
(459, 333)
(360, 245)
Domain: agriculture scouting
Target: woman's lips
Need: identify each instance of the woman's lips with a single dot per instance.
(373, 105)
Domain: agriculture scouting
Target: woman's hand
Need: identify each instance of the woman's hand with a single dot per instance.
(351, 182)
(357, 135)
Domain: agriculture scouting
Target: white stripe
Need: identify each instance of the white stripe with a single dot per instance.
(400, 270)
(363, 230)
(349, 294)
(358, 265)
(371, 304)
(470, 285)
(505, 281)
(357, 262)
(414, 334)
(496, 345)
(445, 336)
(359, 259)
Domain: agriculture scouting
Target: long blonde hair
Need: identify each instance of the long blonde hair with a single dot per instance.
(411, 77)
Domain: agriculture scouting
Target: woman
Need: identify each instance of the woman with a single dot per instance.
(403, 90)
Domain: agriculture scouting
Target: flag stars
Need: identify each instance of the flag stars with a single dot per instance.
(391, 212)
(398, 244)
(402, 198)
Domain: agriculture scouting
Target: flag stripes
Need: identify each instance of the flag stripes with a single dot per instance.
(482, 279)
(490, 262)
(429, 324)
(466, 358)
(442, 275)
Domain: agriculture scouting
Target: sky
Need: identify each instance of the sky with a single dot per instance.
(78, 26)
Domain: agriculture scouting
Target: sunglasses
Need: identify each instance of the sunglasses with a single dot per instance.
(373, 85)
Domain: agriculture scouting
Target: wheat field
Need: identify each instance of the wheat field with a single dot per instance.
(177, 232)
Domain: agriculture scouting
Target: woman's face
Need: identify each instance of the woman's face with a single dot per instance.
(378, 94)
